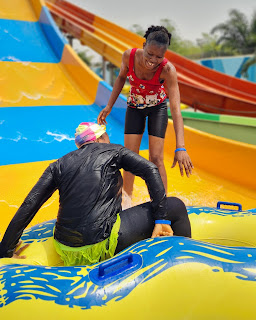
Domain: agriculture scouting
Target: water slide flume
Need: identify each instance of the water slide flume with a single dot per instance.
(62, 92)
(220, 158)
(231, 127)
(200, 87)
(46, 91)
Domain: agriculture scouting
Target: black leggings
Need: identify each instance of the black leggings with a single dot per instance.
(137, 222)
(135, 120)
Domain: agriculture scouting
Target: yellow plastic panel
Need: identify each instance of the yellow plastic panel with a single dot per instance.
(118, 33)
(37, 6)
(232, 161)
(16, 182)
(80, 75)
(111, 40)
(36, 84)
(200, 189)
(102, 47)
(17, 10)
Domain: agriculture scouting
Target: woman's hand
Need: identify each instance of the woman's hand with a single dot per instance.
(162, 230)
(184, 161)
(103, 115)
(17, 253)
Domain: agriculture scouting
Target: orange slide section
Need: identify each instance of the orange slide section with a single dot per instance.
(200, 87)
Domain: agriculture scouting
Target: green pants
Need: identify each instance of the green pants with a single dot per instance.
(93, 253)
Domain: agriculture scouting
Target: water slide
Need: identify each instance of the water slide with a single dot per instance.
(232, 127)
(46, 91)
(200, 87)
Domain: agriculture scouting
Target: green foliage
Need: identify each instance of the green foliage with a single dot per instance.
(136, 28)
(209, 47)
(176, 39)
(251, 61)
(85, 57)
(235, 36)
(183, 47)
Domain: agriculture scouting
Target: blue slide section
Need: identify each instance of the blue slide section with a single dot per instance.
(52, 32)
(25, 41)
(231, 66)
(102, 97)
(119, 109)
(29, 134)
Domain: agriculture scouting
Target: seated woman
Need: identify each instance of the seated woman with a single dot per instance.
(91, 225)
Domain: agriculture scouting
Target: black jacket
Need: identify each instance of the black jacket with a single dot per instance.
(90, 189)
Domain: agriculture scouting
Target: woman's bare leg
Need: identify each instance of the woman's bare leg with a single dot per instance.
(132, 142)
(156, 155)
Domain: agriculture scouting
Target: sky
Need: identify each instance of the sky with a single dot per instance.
(191, 17)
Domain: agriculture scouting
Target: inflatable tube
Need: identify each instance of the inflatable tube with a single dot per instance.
(229, 227)
(176, 276)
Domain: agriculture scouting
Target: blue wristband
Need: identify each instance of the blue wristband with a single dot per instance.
(162, 222)
(180, 149)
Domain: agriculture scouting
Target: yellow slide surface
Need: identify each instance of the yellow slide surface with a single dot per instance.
(224, 169)
(45, 92)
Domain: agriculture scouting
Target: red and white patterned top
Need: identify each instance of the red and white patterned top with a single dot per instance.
(145, 93)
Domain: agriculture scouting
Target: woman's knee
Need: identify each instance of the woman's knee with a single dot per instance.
(157, 160)
(176, 207)
(177, 214)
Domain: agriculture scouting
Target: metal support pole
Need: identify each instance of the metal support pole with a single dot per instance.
(104, 68)
(111, 74)
(70, 39)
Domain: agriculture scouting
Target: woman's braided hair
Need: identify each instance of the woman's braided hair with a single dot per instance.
(159, 34)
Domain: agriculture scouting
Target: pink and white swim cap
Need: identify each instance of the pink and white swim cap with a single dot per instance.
(88, 131)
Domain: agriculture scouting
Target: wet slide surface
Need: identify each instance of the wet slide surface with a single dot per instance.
(46, 91)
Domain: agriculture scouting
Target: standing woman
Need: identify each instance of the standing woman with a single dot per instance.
(152, 79)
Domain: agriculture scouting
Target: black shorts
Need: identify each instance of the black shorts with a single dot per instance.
(135, 120)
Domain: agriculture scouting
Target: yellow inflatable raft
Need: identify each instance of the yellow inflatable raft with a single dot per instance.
(188, 279)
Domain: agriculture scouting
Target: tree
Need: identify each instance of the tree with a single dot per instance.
(176, 39)
(252, 35)
(85, 57)
(248, 63)
(136, 28)
(237, 35)
(208, 46)
(183, 47)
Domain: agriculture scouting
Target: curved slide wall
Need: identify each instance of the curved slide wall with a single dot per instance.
(200, 87)
(46, 91)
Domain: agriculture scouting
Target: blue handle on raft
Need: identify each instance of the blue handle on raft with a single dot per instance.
(229, 204)
(116, 268)
(116, 261)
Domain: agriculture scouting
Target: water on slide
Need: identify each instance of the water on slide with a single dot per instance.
(40, 106)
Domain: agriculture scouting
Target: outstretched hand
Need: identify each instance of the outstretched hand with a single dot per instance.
(183, 160)
(17, 252)
(162, 230)
(103, 115)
